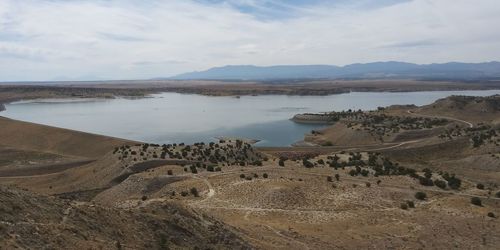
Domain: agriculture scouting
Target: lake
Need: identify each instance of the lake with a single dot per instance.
(172, 117)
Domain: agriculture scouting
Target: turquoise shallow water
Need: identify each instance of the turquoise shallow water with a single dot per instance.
(172, 117)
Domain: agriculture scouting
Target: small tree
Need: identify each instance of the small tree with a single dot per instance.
(265, 175)
(480, 186)
(476, 201)
(329, 178)
(491, 214)
(337, 177)
(170, 172)
(404, 206)
(421, 195)
(144, 198)
(242, 176)
(368, 184)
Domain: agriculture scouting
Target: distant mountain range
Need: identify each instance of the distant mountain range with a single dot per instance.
(452, 70)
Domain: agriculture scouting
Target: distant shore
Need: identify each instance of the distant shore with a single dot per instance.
(10, 92)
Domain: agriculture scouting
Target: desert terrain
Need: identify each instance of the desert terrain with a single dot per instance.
(399, 177)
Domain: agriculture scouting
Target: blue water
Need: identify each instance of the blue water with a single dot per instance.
(172, 117)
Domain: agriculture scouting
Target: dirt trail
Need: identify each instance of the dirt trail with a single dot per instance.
(442, 117)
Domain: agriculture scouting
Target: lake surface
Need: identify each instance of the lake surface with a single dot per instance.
(172, 117)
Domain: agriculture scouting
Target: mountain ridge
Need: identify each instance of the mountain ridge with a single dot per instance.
(388, 69)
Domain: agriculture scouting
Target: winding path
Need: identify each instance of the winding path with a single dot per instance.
(443, 117)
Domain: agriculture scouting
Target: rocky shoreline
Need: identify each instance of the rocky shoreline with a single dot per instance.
(2, 107)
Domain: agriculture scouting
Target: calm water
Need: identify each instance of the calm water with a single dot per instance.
(172, 117)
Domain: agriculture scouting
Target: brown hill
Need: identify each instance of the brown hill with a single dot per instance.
(32, 221)
(35, 137)
(469, 108)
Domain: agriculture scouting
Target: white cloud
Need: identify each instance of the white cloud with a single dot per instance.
(41, 40)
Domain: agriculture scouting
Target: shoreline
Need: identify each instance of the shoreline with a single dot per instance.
(143, 89)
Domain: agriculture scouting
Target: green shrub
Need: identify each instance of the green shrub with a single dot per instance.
(242, 176)
(265, 175)
(329, 178)
(337, 177)
(480, 186)
(440, 184)
(404, 206)
(170, 172)
(420, 195)
(476, 201)
(307, 163)
(491, 214)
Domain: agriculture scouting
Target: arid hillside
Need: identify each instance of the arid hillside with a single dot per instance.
(474, 109)
(35, 137)
(31, 221)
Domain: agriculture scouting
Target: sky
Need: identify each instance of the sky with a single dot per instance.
(46, 40)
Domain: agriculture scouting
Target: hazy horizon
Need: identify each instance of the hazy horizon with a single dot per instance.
(112, 40)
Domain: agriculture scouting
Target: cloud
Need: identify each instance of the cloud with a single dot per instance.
(113, 39)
